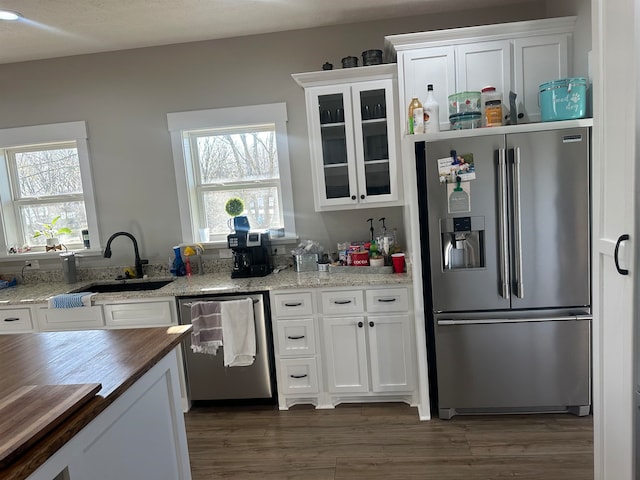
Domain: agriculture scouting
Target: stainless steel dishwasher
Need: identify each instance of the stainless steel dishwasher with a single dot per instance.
(207, 377)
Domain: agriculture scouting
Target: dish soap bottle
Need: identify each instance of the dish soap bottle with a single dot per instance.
(416, 117)
(431, 111)
(178, 267)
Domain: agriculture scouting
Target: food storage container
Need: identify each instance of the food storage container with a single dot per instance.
(463, 102)
(371, 57)
(307, 262)
(360, 259)
(563, 99)
(464, 121)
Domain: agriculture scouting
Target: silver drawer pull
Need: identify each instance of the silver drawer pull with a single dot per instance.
(297, 337)
(298, 376)
(342, 302)
(11, 319)
(387, 300)
(297, 304)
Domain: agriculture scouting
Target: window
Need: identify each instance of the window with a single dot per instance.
(232, 152)
(46, 175)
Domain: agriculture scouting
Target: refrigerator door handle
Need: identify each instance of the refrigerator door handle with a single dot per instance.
(483, 321)
(502, 223)
(517, 227)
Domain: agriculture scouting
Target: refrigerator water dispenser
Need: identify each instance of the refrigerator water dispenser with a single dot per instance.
(462, 243)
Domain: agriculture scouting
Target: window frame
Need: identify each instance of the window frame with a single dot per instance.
(191, 214)
(56, 133)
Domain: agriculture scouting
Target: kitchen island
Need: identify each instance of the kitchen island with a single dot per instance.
(132, 428)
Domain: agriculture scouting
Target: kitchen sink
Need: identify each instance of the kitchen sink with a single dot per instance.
(132, 286)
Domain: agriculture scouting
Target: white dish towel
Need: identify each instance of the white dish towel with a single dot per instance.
(238, 332)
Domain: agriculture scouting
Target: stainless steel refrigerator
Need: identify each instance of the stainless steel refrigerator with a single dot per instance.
(509, 262)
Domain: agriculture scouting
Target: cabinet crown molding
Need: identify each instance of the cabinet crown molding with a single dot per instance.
(346, 75)
(499, 31)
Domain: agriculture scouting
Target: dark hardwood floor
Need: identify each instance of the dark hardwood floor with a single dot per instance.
(385, 441)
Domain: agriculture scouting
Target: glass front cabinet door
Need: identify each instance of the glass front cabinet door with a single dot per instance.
(352, 133)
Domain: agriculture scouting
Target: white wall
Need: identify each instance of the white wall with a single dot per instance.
(582, 37)
(124, 97)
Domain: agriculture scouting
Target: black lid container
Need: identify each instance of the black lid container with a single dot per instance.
(349, 62)
(371, 57)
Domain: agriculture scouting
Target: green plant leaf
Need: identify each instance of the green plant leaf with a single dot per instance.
(234, 206)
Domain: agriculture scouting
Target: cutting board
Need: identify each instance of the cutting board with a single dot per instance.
(32, 411)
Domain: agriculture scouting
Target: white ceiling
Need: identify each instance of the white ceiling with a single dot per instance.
(56, 28)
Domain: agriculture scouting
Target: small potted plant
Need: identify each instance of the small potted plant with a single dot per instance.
(51, 233)
(234, 207)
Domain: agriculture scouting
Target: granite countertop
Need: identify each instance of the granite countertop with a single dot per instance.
(204, 284)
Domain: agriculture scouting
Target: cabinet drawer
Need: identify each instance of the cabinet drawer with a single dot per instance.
(388, 300)
(70, 318)
(15, 320)
(342, 302)
(138, 314)
(298, 376)
(292, 304)
(296, 337)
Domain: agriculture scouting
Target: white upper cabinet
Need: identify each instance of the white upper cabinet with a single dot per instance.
(435, 66)
(352, 137)
(514, 57)
(484, 63)
(538, 60)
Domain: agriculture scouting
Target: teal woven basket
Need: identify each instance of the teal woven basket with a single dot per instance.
(563, 99)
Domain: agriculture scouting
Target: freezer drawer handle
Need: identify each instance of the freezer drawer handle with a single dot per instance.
(342, 302)
(299, 376)
(386, 300)
(11, 319)
(296, 337)
(296, 304)
(621, 238)
(513, 320)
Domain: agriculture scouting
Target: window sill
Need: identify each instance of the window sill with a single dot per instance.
(80, 252)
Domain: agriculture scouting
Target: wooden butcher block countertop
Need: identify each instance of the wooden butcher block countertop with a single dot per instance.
(115, 359)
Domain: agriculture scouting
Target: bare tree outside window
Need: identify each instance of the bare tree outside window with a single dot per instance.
(47, 183)
(240, 163)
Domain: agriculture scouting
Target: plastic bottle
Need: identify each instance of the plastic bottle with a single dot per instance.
(178, 267)
(416, 117)
(431, 112)
(491, 107)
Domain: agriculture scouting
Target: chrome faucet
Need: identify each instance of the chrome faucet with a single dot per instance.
(139, 263)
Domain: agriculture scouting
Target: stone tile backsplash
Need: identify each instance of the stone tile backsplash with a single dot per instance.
(110, 273)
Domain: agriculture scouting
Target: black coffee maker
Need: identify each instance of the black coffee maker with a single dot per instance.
(250, 253)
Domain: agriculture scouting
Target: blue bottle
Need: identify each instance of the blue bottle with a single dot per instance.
(178, 268)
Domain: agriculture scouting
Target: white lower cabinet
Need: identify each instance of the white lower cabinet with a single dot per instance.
(133, 313)
(140, 313)
(81, 318)
(16, 320)
(296, 347)
(346, 345)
